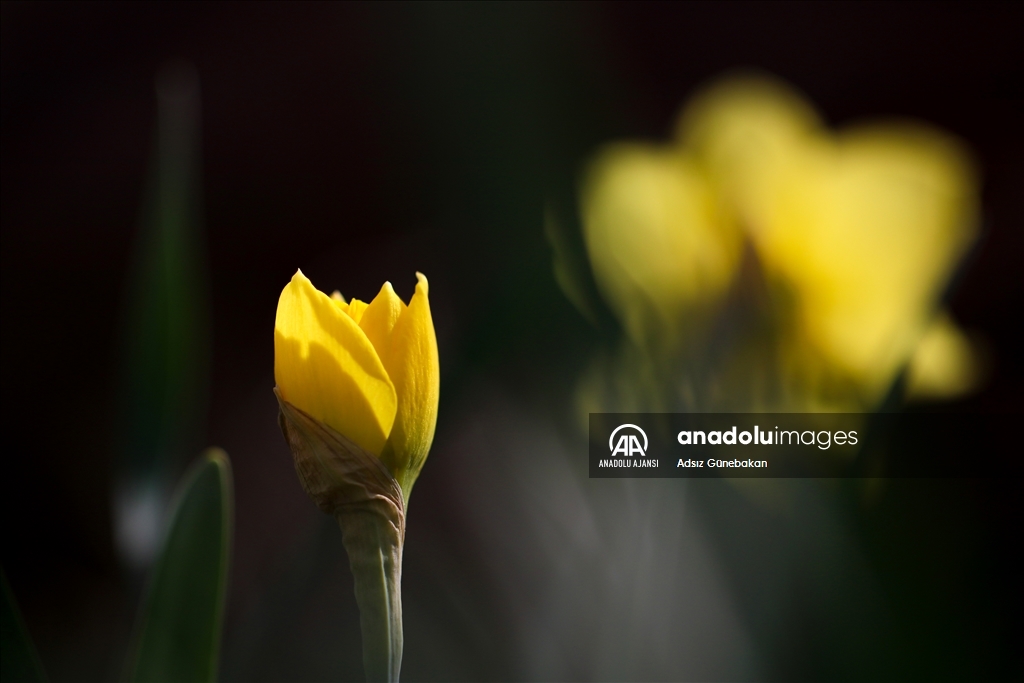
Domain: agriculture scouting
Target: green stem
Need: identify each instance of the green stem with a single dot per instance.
(375, 555)
(359, 490)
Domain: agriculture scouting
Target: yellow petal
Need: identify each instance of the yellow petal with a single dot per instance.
(944, 365)
(325, 366)
(868, 231)
(356, 308)
(379, 318)
(339, 300)
(745, 131)
(415, 370)
(656, 242)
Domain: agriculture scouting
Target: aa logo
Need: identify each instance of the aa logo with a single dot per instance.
(627, 444)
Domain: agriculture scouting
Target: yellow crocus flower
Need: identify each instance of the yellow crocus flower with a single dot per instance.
(370, 372)
(856, 233)
(863, 227)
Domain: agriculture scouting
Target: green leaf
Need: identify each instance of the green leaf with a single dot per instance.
(19, 661)
(165, 341)
(178, 637)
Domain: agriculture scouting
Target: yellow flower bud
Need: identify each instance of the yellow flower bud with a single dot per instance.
(369, 372)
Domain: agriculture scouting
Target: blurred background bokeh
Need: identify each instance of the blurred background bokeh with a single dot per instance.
(165, 168)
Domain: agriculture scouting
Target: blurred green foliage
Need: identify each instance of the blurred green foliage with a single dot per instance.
(179, 630)
(166, 335)
(164, 371)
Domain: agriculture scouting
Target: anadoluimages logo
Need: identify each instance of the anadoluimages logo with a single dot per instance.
(627, 444)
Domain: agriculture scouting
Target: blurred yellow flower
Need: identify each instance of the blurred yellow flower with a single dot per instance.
(657, 243)
(369, 371)
(863, 227)
(856, 234)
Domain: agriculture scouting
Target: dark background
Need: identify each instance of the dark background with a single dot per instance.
(363, 142)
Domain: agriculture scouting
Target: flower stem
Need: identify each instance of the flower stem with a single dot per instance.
(359, 490)
(374, 549)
